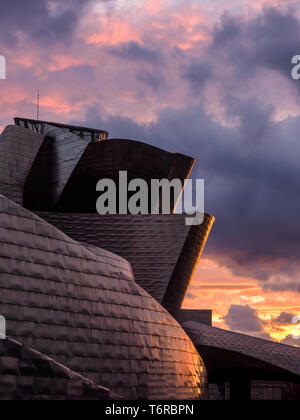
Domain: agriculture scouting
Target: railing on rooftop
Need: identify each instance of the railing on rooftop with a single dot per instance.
(88, 134)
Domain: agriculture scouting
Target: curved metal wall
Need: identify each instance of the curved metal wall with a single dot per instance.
(18, 149)
(83, 309)
(186, 265)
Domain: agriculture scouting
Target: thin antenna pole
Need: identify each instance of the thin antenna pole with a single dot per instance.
(38, 106)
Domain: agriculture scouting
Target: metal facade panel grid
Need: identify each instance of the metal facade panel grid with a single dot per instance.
(86, 312)
(162, 250)
(26, 374)
(18, 149)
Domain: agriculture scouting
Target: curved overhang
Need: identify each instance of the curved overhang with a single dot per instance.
(230, 356)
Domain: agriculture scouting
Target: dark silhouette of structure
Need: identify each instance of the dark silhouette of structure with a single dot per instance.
(90, 301)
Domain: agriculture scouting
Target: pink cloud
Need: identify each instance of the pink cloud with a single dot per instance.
(61, 62)
(111, 30)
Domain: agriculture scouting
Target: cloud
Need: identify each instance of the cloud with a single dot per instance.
(243, 319)
(228, 30)
(257, 42)
(284, 318)
(281, 283)
(291, 341)
(151, 79)
(43, 21)
(134, 51)
(197, 73)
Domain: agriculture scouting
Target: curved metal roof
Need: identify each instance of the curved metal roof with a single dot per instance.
(278, 355)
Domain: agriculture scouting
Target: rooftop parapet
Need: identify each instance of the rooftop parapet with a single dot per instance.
(88, 134)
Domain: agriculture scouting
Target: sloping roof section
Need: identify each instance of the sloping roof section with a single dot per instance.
(275, 354)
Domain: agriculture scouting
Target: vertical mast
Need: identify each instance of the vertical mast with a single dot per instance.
(38, 106)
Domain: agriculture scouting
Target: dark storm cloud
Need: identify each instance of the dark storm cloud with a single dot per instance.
(229, 30)
(243, 319)
(284, 318)
(282, 284)
(269, 40)
(197, 73)
(134, 51)
(251, 171)
(151, 79)
(36, 19)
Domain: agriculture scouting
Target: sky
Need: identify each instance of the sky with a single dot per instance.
(207, 78)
